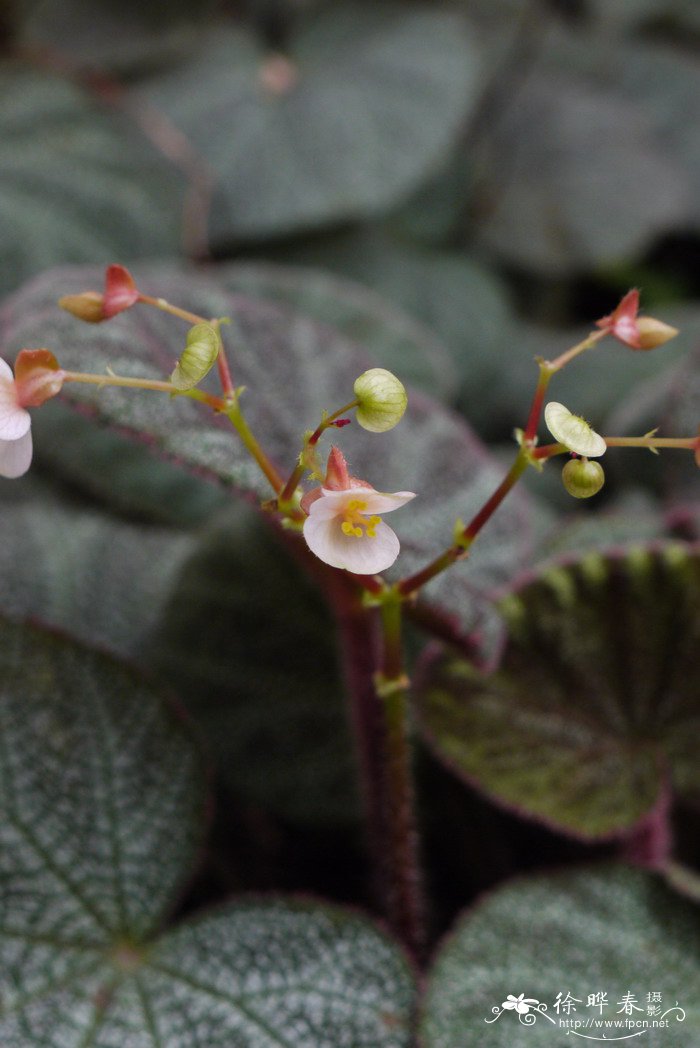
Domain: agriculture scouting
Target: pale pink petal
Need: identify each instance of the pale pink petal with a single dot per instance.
(376, 502)
(15, 456)
(14, 420)
(5, 371)
(384, 502)
(366, 555)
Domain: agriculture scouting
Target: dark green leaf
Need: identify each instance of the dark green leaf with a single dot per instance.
(596, 699)
(102, 796)
(577, 176)
(103, 581)
(102, 799)
(614, 931)
(449, 292)
(77, 182)
(365, 107)
(390, 337)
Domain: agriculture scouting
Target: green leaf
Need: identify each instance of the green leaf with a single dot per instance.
(101, 580)
(292, 369)
(102, 794)
(246, 641)
(449, 292)
(576, 175)
(364, 107)
(77, 182)
(102, 800)
(392, 338)
(615, 931)
(596, 700)
(71, 447)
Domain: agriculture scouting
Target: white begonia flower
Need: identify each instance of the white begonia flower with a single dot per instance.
(345, 529)
(15, 432)
(573, 431)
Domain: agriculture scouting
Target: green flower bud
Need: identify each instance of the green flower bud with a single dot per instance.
(198, 357)
(382, 400)
(582, 478)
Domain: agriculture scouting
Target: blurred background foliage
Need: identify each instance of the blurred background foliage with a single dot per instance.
(459, 187)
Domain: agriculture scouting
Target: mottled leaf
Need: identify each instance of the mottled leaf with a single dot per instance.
(101, 580)
(449, 292)
(595, 703)
(77, 182)
(393, 339)
(364, 107)
(101, 796)
(292, 368)
(612, 931)
(102, 799)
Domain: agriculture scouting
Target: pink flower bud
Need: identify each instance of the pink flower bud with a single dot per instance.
(120, 291)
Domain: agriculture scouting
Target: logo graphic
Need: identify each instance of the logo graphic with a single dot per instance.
(605, 1021)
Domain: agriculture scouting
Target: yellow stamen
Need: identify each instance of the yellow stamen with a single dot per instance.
(354, 520)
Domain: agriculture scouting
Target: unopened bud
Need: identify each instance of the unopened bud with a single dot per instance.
(382, 400)
(582, 478)
(653, 333)
(88, 306)
(38, 377)
(198, 357)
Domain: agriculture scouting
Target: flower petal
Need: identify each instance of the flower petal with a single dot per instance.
(334, 502)
(365, 555)
(573, 432)
(14, 420)
(15, 456)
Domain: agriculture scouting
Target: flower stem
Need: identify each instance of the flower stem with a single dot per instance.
(175, 311)
(587, 343)
(144, 383)
(235, 415)
(651, 442)
(406, 907)
(461, 547)
(537, 400)
(311, 441)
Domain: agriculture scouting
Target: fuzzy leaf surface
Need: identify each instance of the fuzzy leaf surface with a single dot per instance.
(613, 930)
(96, 577)
(596, 698)
(77, 182)
(102, 796)
(369, 102)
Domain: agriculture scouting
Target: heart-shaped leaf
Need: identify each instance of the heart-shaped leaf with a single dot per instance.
(596, 701)
(599, 937)
(292, 368)
(365, 105)
(102, 798)
(77, 183)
